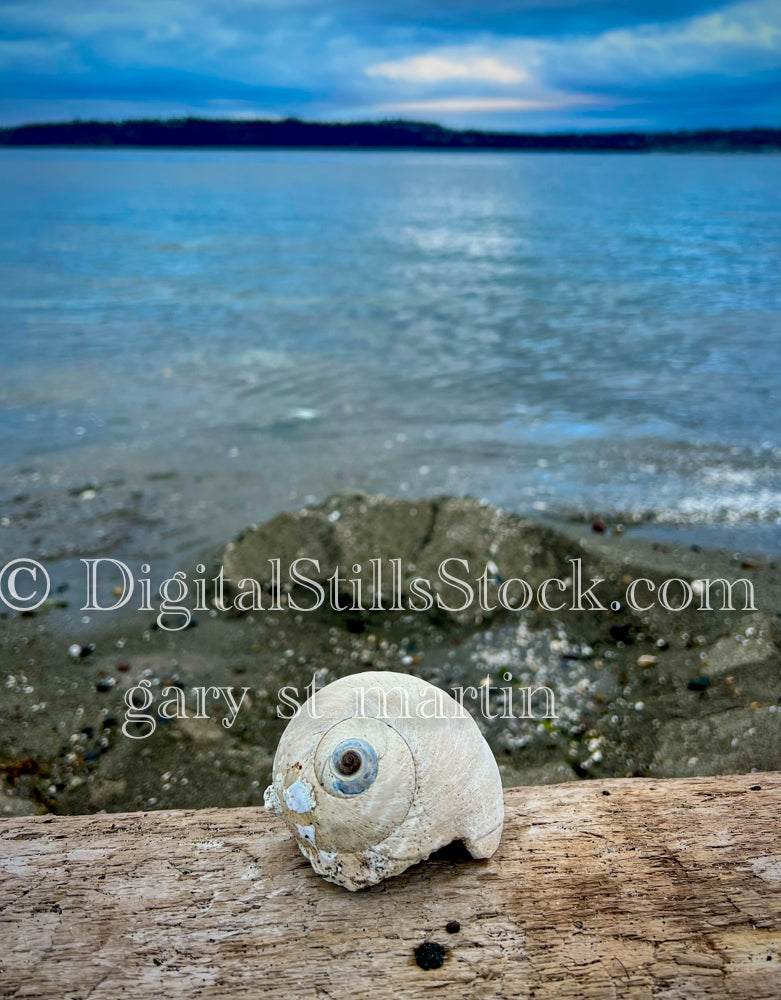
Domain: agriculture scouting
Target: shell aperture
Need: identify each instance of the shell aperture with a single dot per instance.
(370, 781)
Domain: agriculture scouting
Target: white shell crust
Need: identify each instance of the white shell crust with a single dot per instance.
(437, 780)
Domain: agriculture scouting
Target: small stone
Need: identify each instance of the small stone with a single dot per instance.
(755, 788)
(598, 526)
(699, 684)
(646, 660)
(662, 644)
(74, 651)
(452, 927)
(621, 633)
(430, 955)
(749, 564)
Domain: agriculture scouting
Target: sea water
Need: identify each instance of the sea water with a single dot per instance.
(562, 334)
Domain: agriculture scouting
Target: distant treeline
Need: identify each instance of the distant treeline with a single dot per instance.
(296, 134)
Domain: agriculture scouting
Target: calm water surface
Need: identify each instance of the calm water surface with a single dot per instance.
(557, 333)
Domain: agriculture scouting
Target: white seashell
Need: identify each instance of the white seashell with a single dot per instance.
(378, 770)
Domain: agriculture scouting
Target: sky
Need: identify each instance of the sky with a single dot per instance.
(527, 65)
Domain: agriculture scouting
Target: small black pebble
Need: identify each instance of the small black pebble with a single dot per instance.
(452, 927)
(103, 686)
(605, 791)
(755, 788)
(87, 651)
(621, 633)
(430, 955)
(700, 684)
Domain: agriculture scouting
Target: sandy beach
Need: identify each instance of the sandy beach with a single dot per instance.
(660, 693)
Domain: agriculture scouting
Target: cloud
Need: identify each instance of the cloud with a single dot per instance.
(739, 39)
(702, 63)
(435, 68)
(664, 63)
(43, 54)
(743, 26)
(485, 105)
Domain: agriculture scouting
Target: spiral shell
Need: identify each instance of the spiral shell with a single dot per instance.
(378, 770)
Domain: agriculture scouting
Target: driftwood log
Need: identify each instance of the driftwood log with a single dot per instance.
(629, 888)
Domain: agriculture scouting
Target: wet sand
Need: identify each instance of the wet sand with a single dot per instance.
(659, 693)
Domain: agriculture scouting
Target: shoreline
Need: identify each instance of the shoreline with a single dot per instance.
(136, 508)
(399, 135)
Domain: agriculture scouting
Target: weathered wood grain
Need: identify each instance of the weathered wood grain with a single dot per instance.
(659, 888)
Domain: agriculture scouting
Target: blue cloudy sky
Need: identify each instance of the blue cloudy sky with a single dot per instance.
(506, 64)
